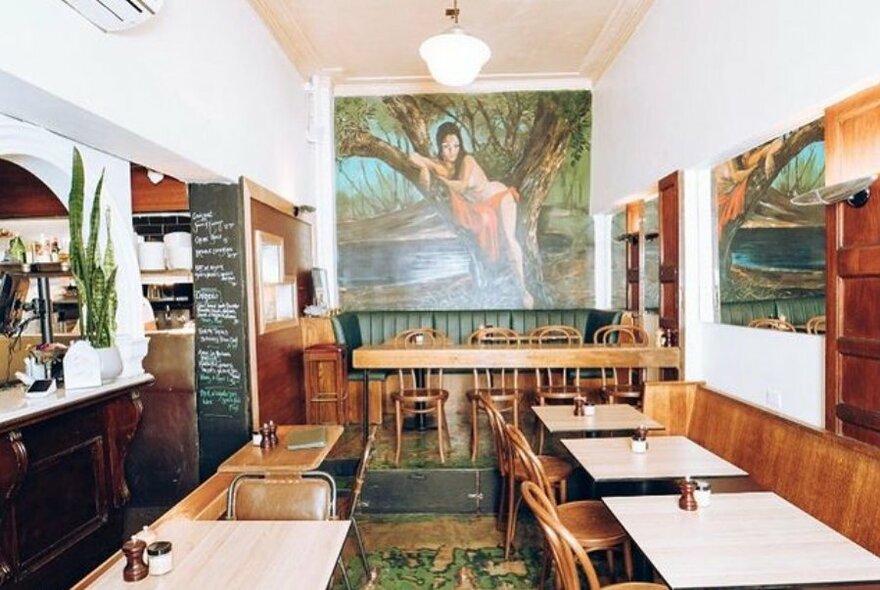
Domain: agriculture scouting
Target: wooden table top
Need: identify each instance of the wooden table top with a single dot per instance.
(242, 554)
(608, 418)
(610, 459)
(522, 356)
(741, 540)
(279, 459)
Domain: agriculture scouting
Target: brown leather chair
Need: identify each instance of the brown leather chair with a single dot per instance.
(566, 549)
(502, 385)
(589, 521)
(309, 495)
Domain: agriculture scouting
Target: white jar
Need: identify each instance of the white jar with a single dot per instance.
(638, 446)
(703, 494)
(161, 558)
(589, 410)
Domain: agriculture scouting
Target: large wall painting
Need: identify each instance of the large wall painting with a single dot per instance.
(464, 201)
(767, 247)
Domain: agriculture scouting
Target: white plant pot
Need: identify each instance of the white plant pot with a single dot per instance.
(111, 363)
(132, 350)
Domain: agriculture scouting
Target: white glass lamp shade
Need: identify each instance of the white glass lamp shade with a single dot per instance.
(454, 58)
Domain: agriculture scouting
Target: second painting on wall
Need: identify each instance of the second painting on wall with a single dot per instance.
(769, 248)
(464, 201)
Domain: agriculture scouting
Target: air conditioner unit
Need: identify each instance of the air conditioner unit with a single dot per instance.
(116, 15)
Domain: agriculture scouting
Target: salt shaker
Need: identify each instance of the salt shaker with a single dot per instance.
(687, 501)
(135, 569)
(589, 409)
(161, 558)
(639, 442)
(703, 493)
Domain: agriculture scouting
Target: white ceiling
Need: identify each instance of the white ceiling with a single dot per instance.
(364, 42)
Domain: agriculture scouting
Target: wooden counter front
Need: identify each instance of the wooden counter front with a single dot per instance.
(62, 480)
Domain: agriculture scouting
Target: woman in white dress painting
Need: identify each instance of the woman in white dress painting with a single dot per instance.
(482, 206)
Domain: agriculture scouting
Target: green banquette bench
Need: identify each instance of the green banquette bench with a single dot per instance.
(796, 310)
(358, 328)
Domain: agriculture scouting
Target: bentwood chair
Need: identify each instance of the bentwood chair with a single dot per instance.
(557, 469)
(557, 385)
(772, 324)
(566, 549)
(501, 384)
(512, 472)
(421, 391)
(310, 495)
(816, 325)
(625, 384)
(590, 521)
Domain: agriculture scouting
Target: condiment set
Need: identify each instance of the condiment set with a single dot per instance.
(142, 559)
(694, 494)
(268, 435)
(582, 407)
(639, 442)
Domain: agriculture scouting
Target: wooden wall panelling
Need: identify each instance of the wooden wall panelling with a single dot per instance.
(280, 394)
(24, 195)
(670, 260)
(852, 341)
(635, 257)
(168, 195)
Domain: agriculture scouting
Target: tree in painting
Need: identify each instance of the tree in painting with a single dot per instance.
(416, 230)
(767, 247)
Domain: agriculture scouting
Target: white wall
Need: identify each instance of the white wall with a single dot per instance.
(201, 91)
(703, 80)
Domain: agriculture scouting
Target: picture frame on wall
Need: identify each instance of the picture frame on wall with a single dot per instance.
(277, 291)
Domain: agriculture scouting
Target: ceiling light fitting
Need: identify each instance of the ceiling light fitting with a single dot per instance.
(855, 192)
(155, 177)
(454, 58)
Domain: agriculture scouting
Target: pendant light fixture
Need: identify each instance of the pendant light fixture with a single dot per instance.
(454, 58)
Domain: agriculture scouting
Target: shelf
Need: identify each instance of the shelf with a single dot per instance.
(166, 277)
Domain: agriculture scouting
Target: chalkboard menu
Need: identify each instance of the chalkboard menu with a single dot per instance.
(221, 346)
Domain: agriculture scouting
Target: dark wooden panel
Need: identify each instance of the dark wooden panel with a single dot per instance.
(280, 352)
(24, 195)
(168, 195)
(860, 298)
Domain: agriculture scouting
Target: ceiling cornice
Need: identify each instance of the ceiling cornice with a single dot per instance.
(614, 35)
(484, 84)
(295, 44)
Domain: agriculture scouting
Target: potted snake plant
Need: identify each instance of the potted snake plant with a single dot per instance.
(94, 271)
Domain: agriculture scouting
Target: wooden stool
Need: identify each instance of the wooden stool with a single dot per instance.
(326, 381)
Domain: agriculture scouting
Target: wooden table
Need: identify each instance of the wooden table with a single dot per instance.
(608, 418)
(610, 459)
(242, 554)
(279, 459)
(742, 540)
(525, 355)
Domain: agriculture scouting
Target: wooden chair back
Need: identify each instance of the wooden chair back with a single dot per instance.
(420, 385)
(307, 496)
(420, 337)
(556, 334)
(621, 336)
(497, 425)
(772, 324)
(494, 335)
(521, 452)
(566, 550)
(622, 382)
(503, 382)
(816, 325)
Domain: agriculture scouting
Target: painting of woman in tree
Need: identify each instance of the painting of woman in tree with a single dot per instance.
(478, 204)
(464, 201)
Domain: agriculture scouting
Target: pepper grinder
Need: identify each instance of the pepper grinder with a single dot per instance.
(265, 436)
(579, 406)
(273, 433)
(135, 569)
(687, 501)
